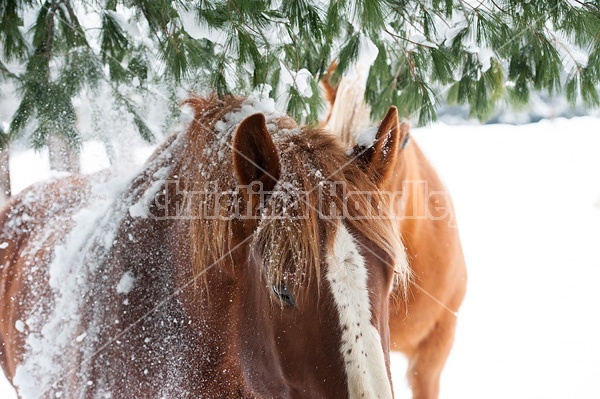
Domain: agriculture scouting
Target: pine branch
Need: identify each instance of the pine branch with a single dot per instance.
(138, 120)
(13, 43)
(6, 73)
(470, 58)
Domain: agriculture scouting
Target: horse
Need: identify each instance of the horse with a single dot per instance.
(249, 258)
(421, 327)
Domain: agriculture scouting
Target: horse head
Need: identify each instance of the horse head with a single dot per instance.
(311, 260)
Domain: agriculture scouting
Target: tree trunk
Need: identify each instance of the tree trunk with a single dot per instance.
(5, 191)
(62, 156)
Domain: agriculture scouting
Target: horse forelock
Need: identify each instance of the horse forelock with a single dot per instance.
(293, 234)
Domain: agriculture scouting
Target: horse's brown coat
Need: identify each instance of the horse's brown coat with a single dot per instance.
(422, 324)
(188, 328)
(423, 327)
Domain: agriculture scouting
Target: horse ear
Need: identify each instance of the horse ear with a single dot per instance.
(255, 157)
(329, 88)
(381, 157)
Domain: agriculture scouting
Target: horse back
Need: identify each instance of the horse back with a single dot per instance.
(32, 223)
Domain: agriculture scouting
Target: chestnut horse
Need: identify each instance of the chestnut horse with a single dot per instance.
(224, 269)
(422, 327)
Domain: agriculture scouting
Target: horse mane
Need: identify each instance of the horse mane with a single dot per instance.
(292, 235)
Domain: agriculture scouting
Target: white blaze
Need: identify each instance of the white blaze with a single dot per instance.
(361, 344)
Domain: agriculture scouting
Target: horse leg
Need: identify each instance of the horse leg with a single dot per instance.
(426, 361)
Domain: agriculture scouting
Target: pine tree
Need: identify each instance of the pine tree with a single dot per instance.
(5, 189)
(478, 53)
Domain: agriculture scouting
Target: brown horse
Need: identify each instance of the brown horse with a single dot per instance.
(422, 327)
(234, 265)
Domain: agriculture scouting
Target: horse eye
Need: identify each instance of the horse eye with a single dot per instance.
(284, 295)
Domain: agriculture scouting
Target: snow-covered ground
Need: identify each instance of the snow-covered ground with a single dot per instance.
(528, 207)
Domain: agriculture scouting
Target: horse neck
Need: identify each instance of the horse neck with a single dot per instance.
(415, 179)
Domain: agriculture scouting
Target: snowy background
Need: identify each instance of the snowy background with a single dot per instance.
(527, 199)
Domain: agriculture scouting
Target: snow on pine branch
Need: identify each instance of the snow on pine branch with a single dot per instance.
(414, 55)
